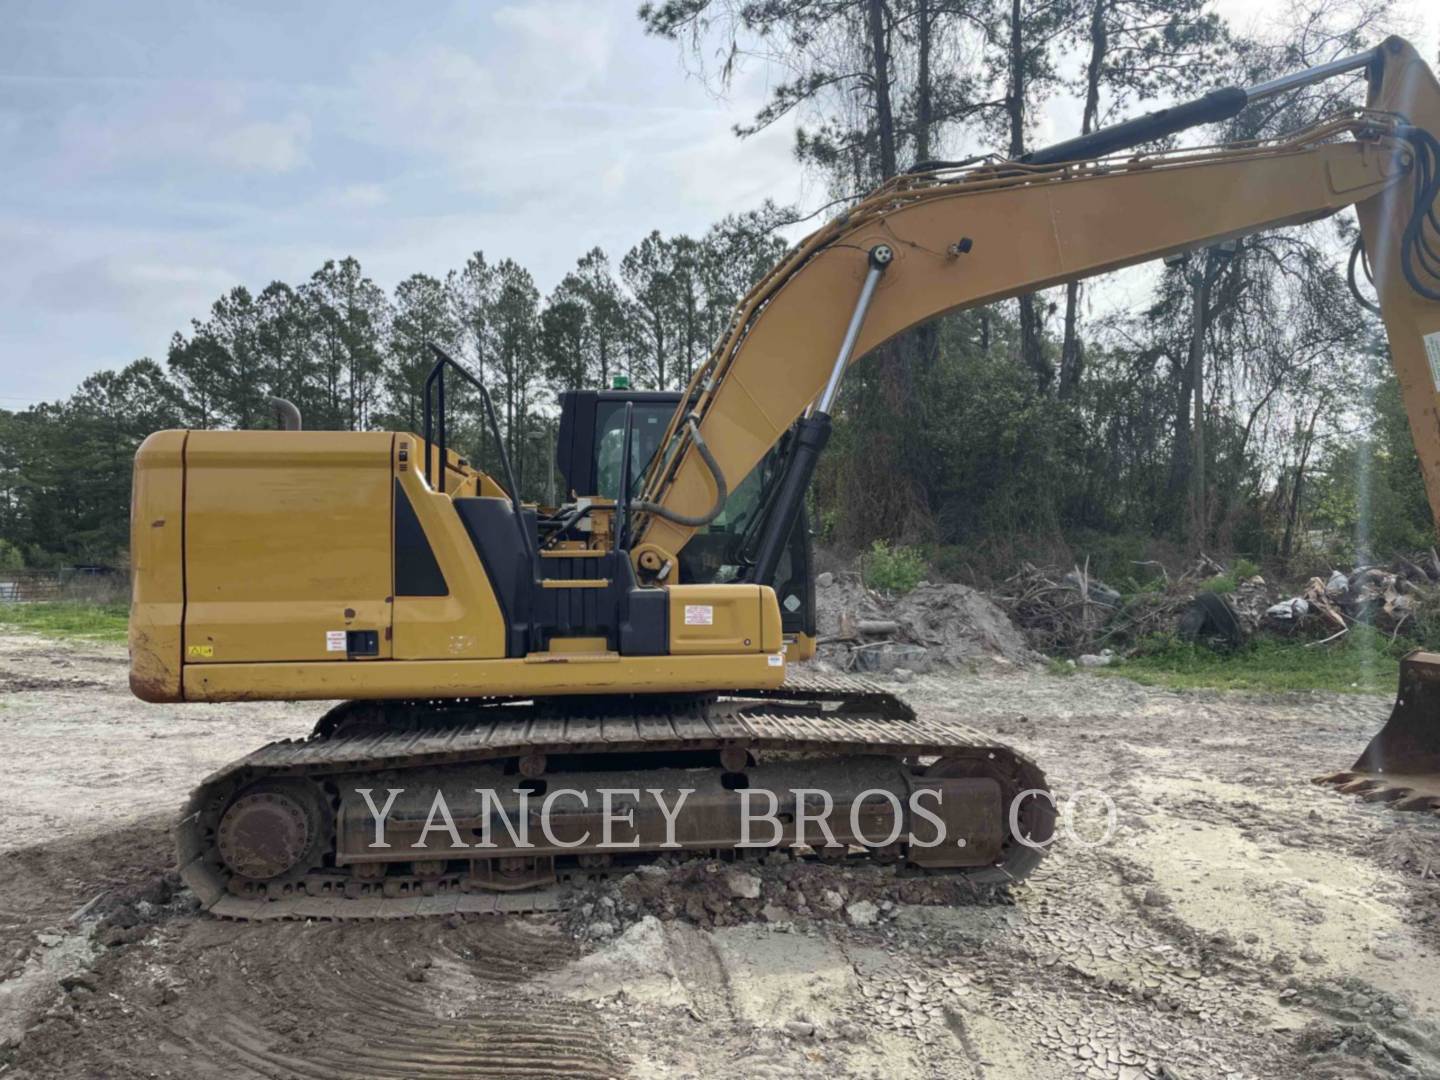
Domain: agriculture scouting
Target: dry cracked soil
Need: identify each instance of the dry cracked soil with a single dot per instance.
(1239, 922)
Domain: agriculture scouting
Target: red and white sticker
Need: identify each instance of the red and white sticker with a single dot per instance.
(699, 615)
(335, 641)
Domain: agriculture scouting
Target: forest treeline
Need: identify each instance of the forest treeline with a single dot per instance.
(1060, 414)
(352, 357)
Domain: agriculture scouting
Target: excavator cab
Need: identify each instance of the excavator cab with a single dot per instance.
(588, 456)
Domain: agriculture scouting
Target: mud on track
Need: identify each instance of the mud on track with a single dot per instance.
(1241, 923)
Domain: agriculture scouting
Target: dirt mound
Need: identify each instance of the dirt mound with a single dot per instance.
(954, 625)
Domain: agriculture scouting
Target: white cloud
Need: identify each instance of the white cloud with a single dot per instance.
(533, 131)
(433, 99)
(113, 283)
(271, 146)
(358, 197)
(209, 124)
(569, 39)
(612, 178)
(720, 173)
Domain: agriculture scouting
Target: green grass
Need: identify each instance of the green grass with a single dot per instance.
(68, 619)
(1361, 662)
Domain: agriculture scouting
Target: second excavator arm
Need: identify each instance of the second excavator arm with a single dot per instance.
(938, 241)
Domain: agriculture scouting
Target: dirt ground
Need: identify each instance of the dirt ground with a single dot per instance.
(1240, 923)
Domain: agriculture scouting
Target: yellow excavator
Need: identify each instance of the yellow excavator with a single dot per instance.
(526, 689)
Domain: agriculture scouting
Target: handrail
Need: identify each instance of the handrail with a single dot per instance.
(435, 411)
(622, 501)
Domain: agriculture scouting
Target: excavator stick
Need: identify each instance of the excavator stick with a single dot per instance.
(1401, 766)
(1401, 228)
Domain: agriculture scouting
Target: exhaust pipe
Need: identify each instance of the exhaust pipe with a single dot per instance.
(286, 414)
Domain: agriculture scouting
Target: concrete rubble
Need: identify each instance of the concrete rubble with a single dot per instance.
(931, 628)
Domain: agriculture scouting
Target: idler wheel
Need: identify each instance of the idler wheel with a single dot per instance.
(271, 830)
(1035, 815)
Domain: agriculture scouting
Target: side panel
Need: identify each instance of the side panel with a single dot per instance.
(287, 544)
(157, 573)
(465, 623)
(733, 619)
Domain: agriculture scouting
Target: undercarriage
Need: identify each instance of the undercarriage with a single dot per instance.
(395, 809)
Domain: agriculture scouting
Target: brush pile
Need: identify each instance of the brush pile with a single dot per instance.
(1069, 613)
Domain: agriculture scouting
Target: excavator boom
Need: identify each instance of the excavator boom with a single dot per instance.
(958, 239)
(983, 236)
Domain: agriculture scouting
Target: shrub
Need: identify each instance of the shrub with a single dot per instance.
(10, 557)
(893, 570)
(1241, 569)
(1220, 583)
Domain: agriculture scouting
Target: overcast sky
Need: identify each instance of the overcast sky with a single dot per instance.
(157, 153)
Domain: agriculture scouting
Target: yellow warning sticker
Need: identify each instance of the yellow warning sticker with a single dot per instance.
(201, 650)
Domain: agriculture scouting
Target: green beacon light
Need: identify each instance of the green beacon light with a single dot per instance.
(620, 382)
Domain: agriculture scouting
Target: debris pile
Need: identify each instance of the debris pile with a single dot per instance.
(933, 625)
(1070, 613)
(1060, 612)
(1385, 597)
(776, 888)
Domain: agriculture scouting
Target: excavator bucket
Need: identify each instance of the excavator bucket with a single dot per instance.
(1401, 766)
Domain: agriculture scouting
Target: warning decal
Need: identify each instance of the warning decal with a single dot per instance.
(334, 640)
(1432, 353)
(699, 615)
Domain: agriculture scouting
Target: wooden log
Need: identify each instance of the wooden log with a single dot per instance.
(877, 627)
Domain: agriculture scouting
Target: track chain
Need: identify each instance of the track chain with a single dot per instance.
(833, 715)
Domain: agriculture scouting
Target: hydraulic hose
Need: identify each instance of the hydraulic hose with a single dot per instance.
(722, 492)
(1357, 256)
(1417, 258)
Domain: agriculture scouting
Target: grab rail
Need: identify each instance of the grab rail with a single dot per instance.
(435, 426)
